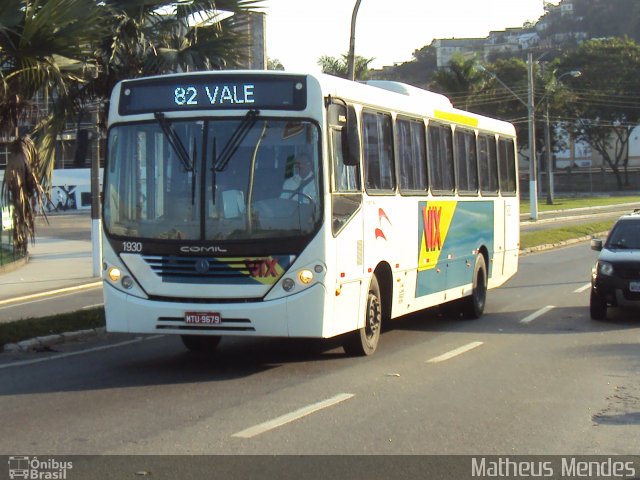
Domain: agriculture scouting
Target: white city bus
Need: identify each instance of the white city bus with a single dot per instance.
(215, 223)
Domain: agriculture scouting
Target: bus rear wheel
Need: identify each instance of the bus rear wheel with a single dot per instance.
(201, 343)
(475, 303)
(363, 342)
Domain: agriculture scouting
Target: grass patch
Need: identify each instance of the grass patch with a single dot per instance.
(19, 330)
(566, 203)
(554, 235)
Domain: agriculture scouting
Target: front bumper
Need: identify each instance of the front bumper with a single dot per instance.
(615, 291)
(297, 315)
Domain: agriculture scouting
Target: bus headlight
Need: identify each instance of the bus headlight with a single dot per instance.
(305, 276)
(114, 274)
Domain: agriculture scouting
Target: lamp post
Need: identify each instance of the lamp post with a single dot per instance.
(533, 160)
(352, 44)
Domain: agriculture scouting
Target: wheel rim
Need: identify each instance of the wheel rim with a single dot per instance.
(374, 316)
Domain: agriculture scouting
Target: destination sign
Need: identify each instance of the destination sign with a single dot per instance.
(212, 92)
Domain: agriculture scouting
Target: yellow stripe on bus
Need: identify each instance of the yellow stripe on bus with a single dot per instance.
(456, 118)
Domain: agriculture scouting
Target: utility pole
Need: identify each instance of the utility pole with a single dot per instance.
(96, 233)
(351, 70)
(533, 168)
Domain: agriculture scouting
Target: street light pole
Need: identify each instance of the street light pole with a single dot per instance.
(351, 70)
(533, 170)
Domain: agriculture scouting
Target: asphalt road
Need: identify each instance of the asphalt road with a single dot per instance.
(534, 376)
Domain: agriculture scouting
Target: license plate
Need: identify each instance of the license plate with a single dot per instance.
(202, 318)
(634, 287)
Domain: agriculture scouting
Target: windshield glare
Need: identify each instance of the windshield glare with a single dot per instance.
(262, 182)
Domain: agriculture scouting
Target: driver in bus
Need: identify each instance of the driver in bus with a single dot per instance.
(301, 184)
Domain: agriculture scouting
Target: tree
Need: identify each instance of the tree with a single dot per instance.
(338, 66)
(274, 64)
(606, 107)
(74, 51)
(460, 81)
(36, 37)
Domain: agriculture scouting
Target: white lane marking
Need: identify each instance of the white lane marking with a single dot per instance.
(39, 300)
(50, 293)
(534, 315)
(290, 417)
(583, 288)
(455, 353)
(79, 352)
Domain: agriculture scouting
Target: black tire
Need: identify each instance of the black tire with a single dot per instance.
(475, 303)
(597, 307)
(201, 343)
(363, 342)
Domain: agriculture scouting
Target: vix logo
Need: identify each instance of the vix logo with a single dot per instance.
(431, 226)
(262, 268)
(435, 218)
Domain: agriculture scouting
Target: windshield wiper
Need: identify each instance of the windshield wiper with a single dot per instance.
(174, 141)
(236, 139)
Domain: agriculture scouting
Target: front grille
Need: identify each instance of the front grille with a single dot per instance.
(173, 266)
(628, 271)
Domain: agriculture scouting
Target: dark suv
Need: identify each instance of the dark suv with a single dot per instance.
(615, 278)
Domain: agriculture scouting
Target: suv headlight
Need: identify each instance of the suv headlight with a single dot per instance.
(605, 268)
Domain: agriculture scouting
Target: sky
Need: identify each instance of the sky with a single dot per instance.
(298, 32)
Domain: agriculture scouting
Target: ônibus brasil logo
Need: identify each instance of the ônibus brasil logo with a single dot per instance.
(36, 469)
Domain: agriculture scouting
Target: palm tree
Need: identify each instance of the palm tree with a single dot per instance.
(338, 66)
(74, 51)
(36, 36)
(460, 81)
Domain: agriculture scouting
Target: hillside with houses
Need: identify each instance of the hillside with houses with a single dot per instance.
(563, 26)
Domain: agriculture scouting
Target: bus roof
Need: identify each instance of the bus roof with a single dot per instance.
(389, 95)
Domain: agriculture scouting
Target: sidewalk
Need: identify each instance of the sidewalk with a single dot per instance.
(60, 258)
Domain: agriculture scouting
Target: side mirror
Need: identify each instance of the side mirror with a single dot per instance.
(351, 139)
(345, 118)
(596, 244)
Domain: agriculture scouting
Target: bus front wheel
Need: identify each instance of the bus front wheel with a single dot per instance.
(364, 341)
(200, 343)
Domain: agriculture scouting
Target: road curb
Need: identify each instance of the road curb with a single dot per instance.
(564, 243)
(15, 265)
(44, 342)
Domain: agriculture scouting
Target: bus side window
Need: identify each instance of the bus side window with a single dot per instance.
(488, 161)
(378, 152)
(507, 166)
(440, 150)
(411, 156)
(466, 161)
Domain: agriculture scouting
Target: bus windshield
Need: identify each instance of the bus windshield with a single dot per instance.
(217, 180)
